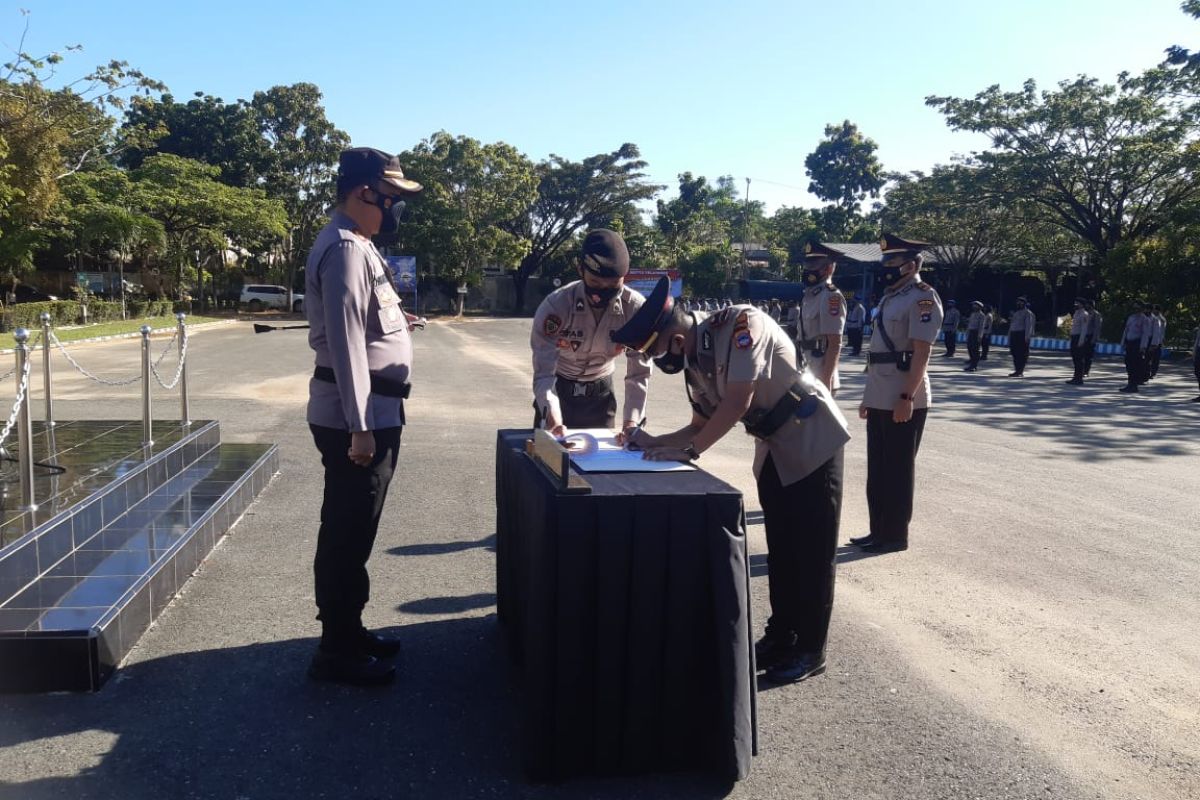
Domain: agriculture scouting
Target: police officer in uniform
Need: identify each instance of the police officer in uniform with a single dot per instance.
(822, 315)
(974, 336)
(950, 328)
(1079, 329)
(1095, 322)
(985, 335)
(356, 405)
(573, 356)
(1020, 334)
(1136, 337)
(740, 365)
(897, 395)
(856, 317)
(1158, 335)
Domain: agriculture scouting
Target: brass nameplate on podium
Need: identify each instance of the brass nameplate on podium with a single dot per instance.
(555, 459)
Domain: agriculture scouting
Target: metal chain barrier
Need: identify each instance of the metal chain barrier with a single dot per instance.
(82, 371)
(22, 394)
(178, 369)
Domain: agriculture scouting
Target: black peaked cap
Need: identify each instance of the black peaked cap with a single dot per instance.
(643, 327)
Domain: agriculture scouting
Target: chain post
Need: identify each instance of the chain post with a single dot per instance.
(147, 432)
(47, 379)
(185, 418)
(24, 425)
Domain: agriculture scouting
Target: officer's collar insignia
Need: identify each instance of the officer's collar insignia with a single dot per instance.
(575, 344)
(579, 304)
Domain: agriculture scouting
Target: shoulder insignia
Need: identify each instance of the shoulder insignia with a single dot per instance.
(927, 303)
(924, 287)
(743, 320)
(742, 338)
(718, 319)
(835, 305)
(552, 324)
(579, 304)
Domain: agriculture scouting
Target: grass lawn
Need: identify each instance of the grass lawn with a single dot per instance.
(106, 329)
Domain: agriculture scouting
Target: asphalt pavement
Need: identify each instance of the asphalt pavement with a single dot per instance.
(1039, 640)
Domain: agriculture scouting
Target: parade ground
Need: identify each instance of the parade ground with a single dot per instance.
(1038, 640)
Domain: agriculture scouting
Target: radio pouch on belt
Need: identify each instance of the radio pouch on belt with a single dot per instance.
(903, 358)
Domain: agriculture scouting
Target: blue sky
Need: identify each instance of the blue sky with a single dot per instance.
(740, 88)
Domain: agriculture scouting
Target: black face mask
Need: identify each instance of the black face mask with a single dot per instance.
(889, 275)
(811, 276)
(599, 298)
(671, 363)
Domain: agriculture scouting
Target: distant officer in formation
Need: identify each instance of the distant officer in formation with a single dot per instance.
(1095, 322)
(897, 395)
(975, 324)
(985, 335)
(739, 364)
(950, 328)
(363, 355)
(1080, 322)
(793, 320)
(1158, 334)
(822, 315)
(1138, 330)
(856, 317)
(1020, 334)
(573, 357)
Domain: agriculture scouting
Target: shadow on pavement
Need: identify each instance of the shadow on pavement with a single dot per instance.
(449, 605)
(443, 548)
(245, 722)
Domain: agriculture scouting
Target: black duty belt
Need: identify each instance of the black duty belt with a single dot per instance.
(898, 357)
(800, 402)
(379, 384)
(588, 388)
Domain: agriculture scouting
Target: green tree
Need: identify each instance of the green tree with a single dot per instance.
(574, 196)
(844, 171)
(301, 163)
(473, 192)
(1107, 163)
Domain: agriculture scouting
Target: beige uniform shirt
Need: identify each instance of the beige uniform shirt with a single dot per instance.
(975, 322)
(1079, 323)
(742, 344)
(1022, 322)
(569, 341)
(911, 313)
(822, 313)
(1095, 322)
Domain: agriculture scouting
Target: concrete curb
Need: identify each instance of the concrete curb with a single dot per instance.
(134, 334)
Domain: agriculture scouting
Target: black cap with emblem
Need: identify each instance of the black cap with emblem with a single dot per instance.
(814, 249)
(891, 244)
(644, 326)
(604, 254)
(366, 166)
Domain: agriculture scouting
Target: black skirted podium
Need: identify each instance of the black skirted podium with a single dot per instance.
(627, 611)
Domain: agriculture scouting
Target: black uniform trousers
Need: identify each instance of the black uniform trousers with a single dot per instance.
(583, 405)
(1155, 356)
(801, 521)
(350, 511)
(973, 348)
(891, 471)
(855, 335)
(1018, 345)
(985, 344)
(1089, 352)
(1078, 357)
(1135, 363)
(950, 339)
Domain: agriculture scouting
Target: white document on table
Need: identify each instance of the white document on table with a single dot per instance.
(596, 450)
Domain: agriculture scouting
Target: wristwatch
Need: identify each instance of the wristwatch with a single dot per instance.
(691, 452)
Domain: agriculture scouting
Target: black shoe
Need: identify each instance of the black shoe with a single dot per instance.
(1196, 399)
(1128, 388)
(859, 541)
(799, 667)
(353, 669)
(378, 645)
(884, 546)
(1016, 374)
(970, 369)
(773, 648)
(1076, 381)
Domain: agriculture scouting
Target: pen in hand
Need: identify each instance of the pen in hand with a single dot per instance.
(629, 443)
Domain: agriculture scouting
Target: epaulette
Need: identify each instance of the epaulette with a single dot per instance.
(924, 287)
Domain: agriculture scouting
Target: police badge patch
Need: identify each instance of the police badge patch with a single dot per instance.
(835, 305)
(742, 339)
(552, 324)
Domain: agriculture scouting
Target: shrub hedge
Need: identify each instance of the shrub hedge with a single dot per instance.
(67, 312)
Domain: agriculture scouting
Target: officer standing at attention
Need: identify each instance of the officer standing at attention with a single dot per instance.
(1020, 334)
(793, 320)
(356, 405)
(740, 365)
(822, 315)
(950, 328)
(1137, 341)
(974, 334)
(1079, 329)
(897, 395)
(1157, 336)
(573, 357)
(856, 317)
(985, 335)
(1095, 322)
